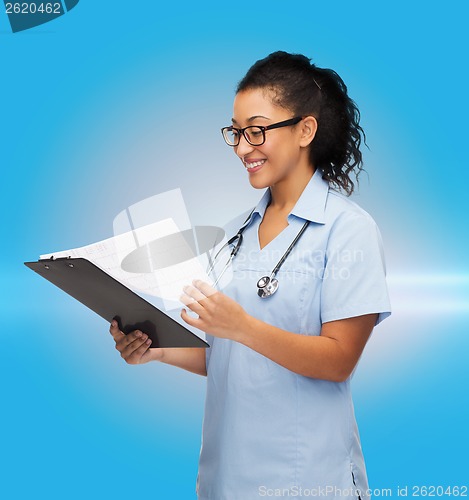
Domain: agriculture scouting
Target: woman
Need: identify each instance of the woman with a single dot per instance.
(279, 417)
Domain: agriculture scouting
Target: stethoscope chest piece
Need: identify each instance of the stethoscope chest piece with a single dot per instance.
(266, 287)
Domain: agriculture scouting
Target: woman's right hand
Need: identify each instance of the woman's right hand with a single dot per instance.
(134, 347)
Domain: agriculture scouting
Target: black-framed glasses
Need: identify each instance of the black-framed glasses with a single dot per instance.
(254, 134)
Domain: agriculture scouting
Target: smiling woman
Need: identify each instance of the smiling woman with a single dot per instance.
(279, 413)
(295, 85)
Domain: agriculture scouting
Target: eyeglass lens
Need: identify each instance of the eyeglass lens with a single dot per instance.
(254, 135)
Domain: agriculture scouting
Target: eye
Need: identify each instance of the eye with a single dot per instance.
(255, 132)
(233, 136)
(255, 135)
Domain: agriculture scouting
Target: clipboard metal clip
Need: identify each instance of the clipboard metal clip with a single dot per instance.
(52, 258)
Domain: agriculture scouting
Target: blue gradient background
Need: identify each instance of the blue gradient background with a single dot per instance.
(117, 101)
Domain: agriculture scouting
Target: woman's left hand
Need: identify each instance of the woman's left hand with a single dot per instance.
(219, 315)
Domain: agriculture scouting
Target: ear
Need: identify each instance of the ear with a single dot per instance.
(308, 131)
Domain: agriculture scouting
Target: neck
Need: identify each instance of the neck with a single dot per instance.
(286, 193)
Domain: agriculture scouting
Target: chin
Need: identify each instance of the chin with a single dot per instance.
(258, 183)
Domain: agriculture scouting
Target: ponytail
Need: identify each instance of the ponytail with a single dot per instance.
(306, 90)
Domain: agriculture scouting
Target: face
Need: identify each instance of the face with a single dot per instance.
(285, 149)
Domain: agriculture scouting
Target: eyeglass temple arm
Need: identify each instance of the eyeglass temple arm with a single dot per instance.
(293, 121)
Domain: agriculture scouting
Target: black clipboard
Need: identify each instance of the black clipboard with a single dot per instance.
(109, 298)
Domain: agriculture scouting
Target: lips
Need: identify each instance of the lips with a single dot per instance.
(253, 165)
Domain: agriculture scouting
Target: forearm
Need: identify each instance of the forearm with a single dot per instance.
(332, 355)
(191, 359)
(309, 355)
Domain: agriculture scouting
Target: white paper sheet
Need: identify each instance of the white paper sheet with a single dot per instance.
(166, 283)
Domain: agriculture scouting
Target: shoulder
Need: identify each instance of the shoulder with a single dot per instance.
(342, 211)
(346, 223)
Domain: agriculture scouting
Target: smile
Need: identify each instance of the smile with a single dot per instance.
(253, 166)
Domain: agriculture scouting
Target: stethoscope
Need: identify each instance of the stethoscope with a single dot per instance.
(267, 285)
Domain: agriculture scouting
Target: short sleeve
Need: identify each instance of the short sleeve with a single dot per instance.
(354, 279)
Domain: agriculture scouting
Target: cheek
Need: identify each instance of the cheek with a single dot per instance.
(283, 158)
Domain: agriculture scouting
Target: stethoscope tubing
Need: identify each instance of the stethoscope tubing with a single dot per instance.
(289, 249)
(265, 280)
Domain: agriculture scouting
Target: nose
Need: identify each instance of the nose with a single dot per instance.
(243, 148)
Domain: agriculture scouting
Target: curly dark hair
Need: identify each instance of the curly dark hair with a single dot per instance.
(305, 89)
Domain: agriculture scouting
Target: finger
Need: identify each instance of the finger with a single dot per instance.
(192, 304)
(204, 288)
(191, 321)
(194, 293)
(130, 349)
(114, 330)
(136, 356)
(186, 299)
(123, 341)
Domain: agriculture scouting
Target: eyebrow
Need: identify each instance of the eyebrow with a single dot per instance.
(250, 120)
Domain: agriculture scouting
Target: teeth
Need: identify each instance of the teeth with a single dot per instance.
(254, 164)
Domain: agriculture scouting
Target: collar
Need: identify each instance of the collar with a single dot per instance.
(311, 204)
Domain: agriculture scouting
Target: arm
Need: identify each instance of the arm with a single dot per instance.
(191, 359)
(135, 349)
(330, 356)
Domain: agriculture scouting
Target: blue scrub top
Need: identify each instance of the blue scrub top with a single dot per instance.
(268, 431)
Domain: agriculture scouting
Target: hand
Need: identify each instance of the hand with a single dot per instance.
(218, 314)
(135, 346)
